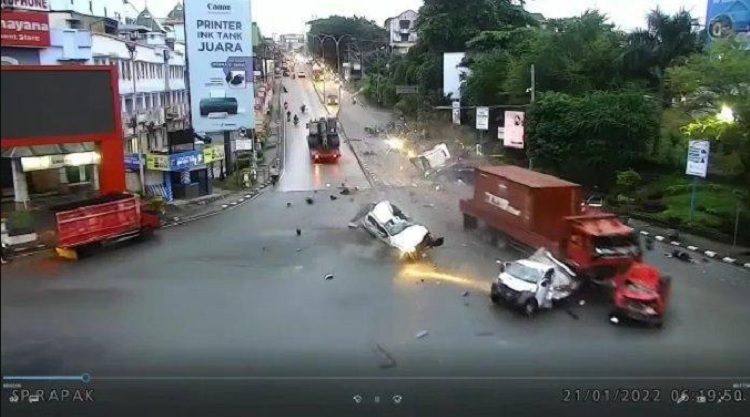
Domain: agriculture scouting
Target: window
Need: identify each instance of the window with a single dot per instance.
(128, 105)
(404, 24)
(75, 24)
(404, 37)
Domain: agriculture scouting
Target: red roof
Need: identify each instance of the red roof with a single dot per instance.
(526, 177)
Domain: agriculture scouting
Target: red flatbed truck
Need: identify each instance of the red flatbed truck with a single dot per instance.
(101, 220)
(530, 210)
(323, 140)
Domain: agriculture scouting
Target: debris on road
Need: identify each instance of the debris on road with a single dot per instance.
(429, 205)
(614, 319)
(299, 232)
(333, 198)
(328, 277)
(345, 191)
(421, 280)
(288, 204)
(309, 200)
(421, 334)
(465, 294)
(385, 359)
(328, 185)
(572, 313)
(682, 256)
(582, 302)
(352, 225)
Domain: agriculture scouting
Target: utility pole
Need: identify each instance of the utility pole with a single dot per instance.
(141, 149)
(533, 98)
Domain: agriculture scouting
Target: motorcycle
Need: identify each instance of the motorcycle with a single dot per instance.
(296, 120)
(288, 116)
(303, 108)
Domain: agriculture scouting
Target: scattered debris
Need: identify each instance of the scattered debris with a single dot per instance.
(352, 225)
(328, 277)
(176, 218)
(299, 232)
(465, 294)
(572, 313)
(429, 205)
(421, 280)
(309, 200)
(328, 185)
(345, 191)
(582, 302)
(288, 204)
(485, 333)
(683, 256)
(466, 303)
(333, 198)
(300, 249)
(706, 260)
(421, 334)
(385, 359)
(614, 319)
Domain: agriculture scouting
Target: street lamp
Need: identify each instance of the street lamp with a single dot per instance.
(726, 115)
(322, 38)
(141, 151)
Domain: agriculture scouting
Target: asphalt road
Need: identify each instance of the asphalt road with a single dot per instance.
(240, 295)
(300, 172)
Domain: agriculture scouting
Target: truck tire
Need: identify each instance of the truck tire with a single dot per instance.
(470, 222)
(495, 298)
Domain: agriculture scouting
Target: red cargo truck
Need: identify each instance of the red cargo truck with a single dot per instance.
(532, 210)
(101, 220)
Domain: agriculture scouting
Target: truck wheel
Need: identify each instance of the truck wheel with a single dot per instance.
(145, 233)
(495, 298)
(530, 308)
(470, 222)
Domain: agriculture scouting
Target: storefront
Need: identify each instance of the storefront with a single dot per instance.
(25, 31)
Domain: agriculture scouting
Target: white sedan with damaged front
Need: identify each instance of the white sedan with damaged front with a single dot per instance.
(386, 222)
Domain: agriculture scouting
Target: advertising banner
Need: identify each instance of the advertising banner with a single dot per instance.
(25, 29)
(697, 158)
(220, 64)
(456, 112)
(513, 131)
(726, 17)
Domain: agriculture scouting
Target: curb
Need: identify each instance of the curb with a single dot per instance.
(707, 253)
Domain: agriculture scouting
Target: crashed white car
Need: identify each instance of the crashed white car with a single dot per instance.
(535, 282)
(385, 221)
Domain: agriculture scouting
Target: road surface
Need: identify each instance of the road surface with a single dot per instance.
(240, 295)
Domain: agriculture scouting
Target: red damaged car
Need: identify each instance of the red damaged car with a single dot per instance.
(642, 294)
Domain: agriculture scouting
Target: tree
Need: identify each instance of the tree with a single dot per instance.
(709, 82)
(666, 41)
(361, 34)
(589, 138)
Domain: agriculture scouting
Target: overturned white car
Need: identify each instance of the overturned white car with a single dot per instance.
(386, 222)
(535, 282)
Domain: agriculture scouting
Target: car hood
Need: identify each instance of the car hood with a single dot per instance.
(410, 237)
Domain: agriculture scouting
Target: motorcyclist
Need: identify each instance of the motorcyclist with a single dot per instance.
(288, 115)
(296, 119)
(284, 87)
(286, 105)
(303, 108)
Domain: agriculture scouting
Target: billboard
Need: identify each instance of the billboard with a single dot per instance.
(725, 17)
(513, 129)
(49, 103)
(452, 73)
(220, 65)
(697, 158)
(33, 5)
(25, 29)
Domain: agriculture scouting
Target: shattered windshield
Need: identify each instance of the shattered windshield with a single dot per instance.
(523, 272)
(396, 225)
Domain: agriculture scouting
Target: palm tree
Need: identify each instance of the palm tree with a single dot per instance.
(667, 40)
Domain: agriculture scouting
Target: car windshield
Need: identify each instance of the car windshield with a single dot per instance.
(396, 225)
(615, 245)
(524, 273)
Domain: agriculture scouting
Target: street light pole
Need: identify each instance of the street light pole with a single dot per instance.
(533, 98)
(141, 151)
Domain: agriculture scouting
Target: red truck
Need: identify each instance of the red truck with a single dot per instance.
(533, 210)
(101, 220)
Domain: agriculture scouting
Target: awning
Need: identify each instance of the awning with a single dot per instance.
(43, 150)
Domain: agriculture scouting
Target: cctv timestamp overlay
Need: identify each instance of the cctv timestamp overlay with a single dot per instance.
(644, 395)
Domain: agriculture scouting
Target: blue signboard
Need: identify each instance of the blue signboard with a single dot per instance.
(727, 17)
(185, 161)
(132, 160)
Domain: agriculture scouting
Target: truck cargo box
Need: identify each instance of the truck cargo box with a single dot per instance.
(529, 206)
(97, 219)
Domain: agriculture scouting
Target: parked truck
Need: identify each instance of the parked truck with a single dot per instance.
(323, 140)
(317, 72)
(101, 220)
(532, 210)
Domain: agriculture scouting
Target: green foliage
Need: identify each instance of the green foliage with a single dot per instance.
(629, 179)
(590, 137)
(355, 30)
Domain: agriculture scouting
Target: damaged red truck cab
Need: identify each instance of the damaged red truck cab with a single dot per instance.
(532, 210)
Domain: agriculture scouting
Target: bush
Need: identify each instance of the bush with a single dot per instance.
(677, 189)
(654, 206)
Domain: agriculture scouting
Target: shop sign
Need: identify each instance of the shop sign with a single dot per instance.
(25, 29)
(132, 160)
(40, 163)
(157, 162)
(186, 160)
(33, 5)
(213, 153)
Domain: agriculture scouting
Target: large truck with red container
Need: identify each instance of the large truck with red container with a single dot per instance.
(84, 224)
(529, 209)
(323, 140)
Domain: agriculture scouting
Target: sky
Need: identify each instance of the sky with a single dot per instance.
(289, 16)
